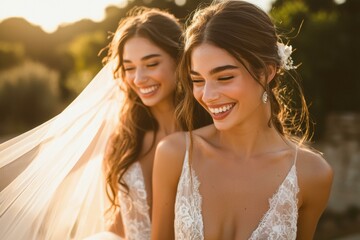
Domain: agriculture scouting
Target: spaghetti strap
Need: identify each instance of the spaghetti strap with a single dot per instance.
(296, 153)
(187, 141)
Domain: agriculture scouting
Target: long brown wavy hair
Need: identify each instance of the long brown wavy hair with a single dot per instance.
(165, 31)
(249, 35)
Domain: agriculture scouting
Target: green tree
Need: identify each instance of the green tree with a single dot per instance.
(11, 54)
(29, 95)
(84, 50)
(328, 48)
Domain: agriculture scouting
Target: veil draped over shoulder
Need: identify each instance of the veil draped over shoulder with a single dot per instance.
(51, 178)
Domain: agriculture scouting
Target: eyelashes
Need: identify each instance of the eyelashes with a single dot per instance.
(128, 69)
(151, 65)
(197, 80)
(219, 79)
(225, 78)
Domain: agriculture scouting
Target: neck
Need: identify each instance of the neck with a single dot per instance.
(252, 138)
(165, 116)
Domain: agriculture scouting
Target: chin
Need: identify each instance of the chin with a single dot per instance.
(221, 126)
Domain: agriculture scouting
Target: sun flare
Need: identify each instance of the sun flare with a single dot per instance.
(49, 14)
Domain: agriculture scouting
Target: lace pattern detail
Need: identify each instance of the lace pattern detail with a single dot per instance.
(134, 207)
(188, 218)
(279, 222)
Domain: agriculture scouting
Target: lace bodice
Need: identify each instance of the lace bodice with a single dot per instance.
(279, 222)
(134, 207)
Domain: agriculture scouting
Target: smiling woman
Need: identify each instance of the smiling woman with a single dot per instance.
(58, 179)
(49, 15)
(250, 161)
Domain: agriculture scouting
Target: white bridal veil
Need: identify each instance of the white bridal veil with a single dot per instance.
(51, 177)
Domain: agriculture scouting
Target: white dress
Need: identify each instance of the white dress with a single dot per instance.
(134, 208)
(279, 222)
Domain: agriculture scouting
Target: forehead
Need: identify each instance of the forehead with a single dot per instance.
(137, 47)
(207, 56)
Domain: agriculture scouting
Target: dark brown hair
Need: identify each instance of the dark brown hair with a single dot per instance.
(248, 34)
(165, 31)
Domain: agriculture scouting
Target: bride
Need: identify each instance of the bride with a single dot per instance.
(56, 177)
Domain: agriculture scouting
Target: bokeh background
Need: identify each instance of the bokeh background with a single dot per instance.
(44, 66)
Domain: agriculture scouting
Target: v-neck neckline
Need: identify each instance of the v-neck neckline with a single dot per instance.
(270, 200)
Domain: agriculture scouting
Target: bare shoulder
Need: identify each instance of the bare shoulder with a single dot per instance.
(315, 179)
(169, 158)
(312, 166)
(173, 144)
(170, 154)
(314, 173)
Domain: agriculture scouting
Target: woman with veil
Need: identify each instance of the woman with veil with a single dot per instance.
(59, 179)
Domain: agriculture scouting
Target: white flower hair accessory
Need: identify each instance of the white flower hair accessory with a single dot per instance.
(284, 52)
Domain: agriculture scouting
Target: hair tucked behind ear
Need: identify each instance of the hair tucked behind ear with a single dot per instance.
(165, 31)
(247, 33)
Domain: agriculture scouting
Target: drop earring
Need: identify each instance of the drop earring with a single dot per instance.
(265, 97)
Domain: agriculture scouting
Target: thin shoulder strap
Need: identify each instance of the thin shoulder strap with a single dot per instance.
(296, 154)
(187, 141)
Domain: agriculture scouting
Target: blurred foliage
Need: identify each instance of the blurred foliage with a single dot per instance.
(326, 36)
(29, 94)
(71, 52)
(327, 45)
(11, 54)
(84, 50)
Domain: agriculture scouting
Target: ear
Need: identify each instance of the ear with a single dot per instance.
(272, 70)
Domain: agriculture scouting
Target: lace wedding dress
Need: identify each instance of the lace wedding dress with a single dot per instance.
(279, 222)
(134, 208)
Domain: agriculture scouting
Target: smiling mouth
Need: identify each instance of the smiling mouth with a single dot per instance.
(149, 90)
(223, 109)
(219, 113)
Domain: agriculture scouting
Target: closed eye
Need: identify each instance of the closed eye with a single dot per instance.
(225, 78)
(197, 80)
(126, 69)
(152, 64)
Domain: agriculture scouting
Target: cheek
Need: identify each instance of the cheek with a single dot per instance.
(167, 75)
(129, 78)
(128, 83)
(169, 72)
(197, 92)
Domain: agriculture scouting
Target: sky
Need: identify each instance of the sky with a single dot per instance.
(49, 14)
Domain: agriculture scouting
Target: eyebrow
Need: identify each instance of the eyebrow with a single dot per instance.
(216, 70)
(147, 57)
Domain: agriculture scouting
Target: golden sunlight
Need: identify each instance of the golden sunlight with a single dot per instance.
(49, 14)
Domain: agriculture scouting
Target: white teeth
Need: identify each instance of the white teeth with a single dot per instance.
(221, 109)
(148, 89)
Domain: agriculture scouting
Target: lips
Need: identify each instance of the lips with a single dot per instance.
(219, 112)
(148, 91)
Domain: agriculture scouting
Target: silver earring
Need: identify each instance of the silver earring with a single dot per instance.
(265, 97)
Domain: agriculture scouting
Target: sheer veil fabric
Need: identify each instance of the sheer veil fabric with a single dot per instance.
(51, 178)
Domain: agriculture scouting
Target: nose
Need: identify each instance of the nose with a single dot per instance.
(140, 76)
(210, 92)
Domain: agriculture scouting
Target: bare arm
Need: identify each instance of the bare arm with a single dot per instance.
(168, 162)
(315, 179)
